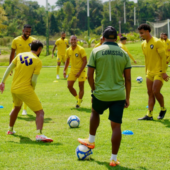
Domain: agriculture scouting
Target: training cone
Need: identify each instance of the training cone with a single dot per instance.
(127, 132)
(1, 107)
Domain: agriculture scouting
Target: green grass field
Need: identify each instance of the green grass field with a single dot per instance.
(147, 149)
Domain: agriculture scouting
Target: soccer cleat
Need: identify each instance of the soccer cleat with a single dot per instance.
(57, 77)
(146, 118)
(86, 143)
(161, 114)
(114, 163)
(43, 138)
(11, 132)
(24, 112)
(77, 106)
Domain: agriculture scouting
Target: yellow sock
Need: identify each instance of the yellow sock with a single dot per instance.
(66, 70)
(150, 113)
(39, 132)
(77, 98)
(163, 108)
(58, 69)
(25, 106)
(79, 101)
(10, 128)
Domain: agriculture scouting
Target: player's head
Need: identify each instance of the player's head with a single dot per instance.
(110, 34)
(144, 31)
(101, 40)
(123, 40)
(63, 35)
(165, 36)
(162, 36)
(73, 41)
(26, 31)
(36, 47)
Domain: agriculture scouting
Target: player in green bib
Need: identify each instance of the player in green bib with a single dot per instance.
(110, 89)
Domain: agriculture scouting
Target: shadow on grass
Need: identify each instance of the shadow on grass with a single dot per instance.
(82, 109)
(27, 140)
(32, 118)
(166, 122)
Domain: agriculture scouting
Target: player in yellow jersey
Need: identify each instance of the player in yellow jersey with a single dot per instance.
(78, 58)
(167, 48)
(162, 37)
(100, 43)
(122, 45)
(155, 64)
(22, 44)
(27, 68)
(61, 44)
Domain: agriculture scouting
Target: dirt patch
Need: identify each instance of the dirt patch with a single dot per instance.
(4, 58)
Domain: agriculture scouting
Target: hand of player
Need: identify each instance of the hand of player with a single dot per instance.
(64, 74)
(127, 103)
(11, 73)
(167, 62)
(135, 62)
(78, 75)
(2, 87)
(165, 76)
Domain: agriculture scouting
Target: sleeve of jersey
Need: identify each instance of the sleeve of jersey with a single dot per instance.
(67, 56)
(83, 53)
(56, 43)
(129, 54)
(92, 62)
(128, 63)
(38, 68)
(14, 45)
(14, 61)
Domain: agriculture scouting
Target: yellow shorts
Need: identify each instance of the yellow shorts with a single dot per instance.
(154, 77)
(72, 76)
(61, 58)
(30, 99)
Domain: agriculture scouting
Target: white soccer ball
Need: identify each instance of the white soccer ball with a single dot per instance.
(139, 79)
(83, 152)
(73, 121)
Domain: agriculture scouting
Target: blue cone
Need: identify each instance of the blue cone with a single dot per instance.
(127, 132)
(1, 107)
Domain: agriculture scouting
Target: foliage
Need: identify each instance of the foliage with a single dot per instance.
(81, 43)
(89, 40)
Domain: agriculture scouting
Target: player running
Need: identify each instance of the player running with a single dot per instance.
(100, 43)
(27, 68)
(61, 44)
(22, 44)
(109, 62)
(78, 58)
(122, 45)
(155, 63)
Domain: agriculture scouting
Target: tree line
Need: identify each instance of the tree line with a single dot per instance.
(71, 15)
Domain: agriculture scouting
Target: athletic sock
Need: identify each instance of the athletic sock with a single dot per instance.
(39, 132)
(66, 70)
(58, 69)
(113, 157)
(25, 106)
(150, 113)
(79, 101)
(77, 98)
(163, 108)
(10, 128)
(91, 138)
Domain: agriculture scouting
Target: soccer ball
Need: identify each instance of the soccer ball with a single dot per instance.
(73, 121)
(139, 79)
(83, 152)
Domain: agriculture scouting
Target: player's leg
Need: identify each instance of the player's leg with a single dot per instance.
(151, 100)
(24, 112)
(81, 93)
(64, 60)
(58, 66)
(157, 85)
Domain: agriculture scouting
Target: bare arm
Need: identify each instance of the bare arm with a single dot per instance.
(127, 74)
(90, 76)
(83, 66)
(53, 50)
(11, 55)
(65, 67)
(34, 80)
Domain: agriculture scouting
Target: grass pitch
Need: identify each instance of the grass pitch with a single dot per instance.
(147, 149)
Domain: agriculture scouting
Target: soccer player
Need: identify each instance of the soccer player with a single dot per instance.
(61, 44)
(167, 48)
(155, 64)
(22, 44)
(100, 43)
(110, 63)
(122, 45)
(162, 37)
(27, 68)
(78, 58)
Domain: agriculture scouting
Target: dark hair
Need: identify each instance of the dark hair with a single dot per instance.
(144, 27)
(27, 26)
(166, 34)
(162, 33)
(35, 45)
(123, 38)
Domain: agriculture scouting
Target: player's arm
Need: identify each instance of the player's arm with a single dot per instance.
(66, 66)
(90, 77)
(12, 55)
(83, 66)
(7, 72)
(53, 50)
(34, 80)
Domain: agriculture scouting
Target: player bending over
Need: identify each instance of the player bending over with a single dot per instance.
(109, 62)
(155, 64)
(27, 68)
(78, 58)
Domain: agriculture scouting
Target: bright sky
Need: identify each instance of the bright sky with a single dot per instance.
(52, 2)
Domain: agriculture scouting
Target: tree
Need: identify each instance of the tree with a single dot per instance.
(2, 19)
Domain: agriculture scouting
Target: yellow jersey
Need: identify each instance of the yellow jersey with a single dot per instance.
(21, 45)
(167, 47)
(154, 62)
(76, 56)
(26, 64)
(163, 41)
(125, 49)
(97, 45)
(61, 46)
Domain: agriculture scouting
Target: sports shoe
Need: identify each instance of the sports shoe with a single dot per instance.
(43, 138)
(161, 114)
(57, 77)
(11, 132)
(77, 106)
(114, 163)
(66, 76)
(24, 112)
(86, 143)
(146, 118)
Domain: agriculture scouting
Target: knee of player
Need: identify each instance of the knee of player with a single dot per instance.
(156, 92)
(69, 86)
(150, 92)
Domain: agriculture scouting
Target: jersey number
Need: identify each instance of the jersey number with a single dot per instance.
(27, 61)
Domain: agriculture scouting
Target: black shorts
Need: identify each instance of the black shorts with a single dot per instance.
(115, 108)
